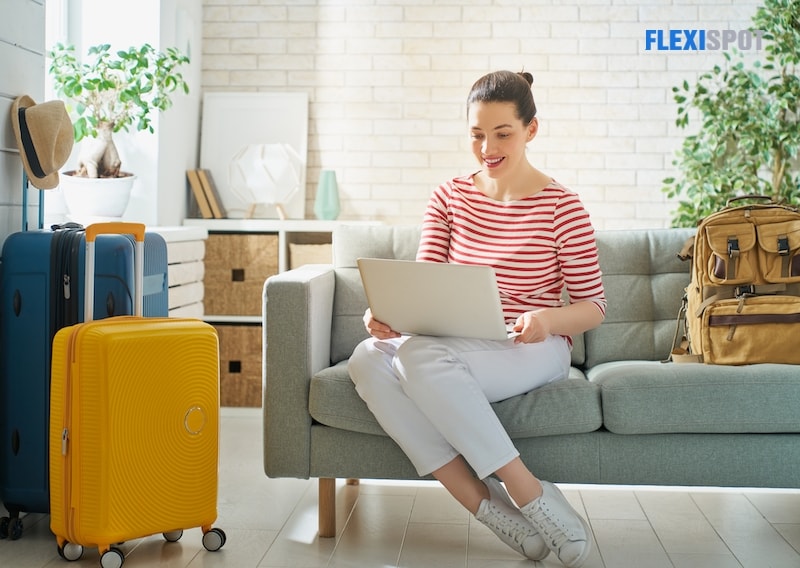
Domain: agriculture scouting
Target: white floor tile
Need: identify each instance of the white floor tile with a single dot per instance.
(629, 543)
(435, 545)
(753, 541)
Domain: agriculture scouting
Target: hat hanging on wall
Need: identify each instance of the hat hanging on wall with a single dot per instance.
(44, 138)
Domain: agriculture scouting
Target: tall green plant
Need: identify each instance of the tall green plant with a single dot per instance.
(749, 114)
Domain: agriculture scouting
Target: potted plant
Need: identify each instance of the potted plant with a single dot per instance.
(108, 93)
(748, 113)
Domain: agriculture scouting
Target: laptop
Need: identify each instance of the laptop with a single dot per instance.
(434, 298)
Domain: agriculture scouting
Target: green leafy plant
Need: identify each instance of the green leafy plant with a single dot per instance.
(749, 123)
(113, 92)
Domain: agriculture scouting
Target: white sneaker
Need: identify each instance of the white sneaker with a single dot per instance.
(506, 521)
(565, 532)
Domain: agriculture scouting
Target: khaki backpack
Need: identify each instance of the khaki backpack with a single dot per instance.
(742, 305)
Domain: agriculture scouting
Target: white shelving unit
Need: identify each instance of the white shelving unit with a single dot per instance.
(185, 251)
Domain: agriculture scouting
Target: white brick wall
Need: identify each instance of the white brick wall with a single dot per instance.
(387, 82)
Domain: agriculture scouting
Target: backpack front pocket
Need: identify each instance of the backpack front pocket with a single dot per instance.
(733, 258)
(779, 251)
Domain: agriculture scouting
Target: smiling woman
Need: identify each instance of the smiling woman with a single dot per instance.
(433, 394)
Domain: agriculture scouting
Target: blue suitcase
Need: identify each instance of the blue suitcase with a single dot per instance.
(41, 291)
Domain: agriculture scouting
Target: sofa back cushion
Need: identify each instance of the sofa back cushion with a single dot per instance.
(349, 243)
(644, 282)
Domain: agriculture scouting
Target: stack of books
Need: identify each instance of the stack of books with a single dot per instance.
(206, 203)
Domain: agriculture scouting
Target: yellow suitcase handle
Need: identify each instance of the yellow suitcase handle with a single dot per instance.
(114, 228)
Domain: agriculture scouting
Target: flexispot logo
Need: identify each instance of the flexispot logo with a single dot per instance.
(702, 40)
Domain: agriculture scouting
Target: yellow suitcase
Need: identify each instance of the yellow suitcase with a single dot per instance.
(134, 426)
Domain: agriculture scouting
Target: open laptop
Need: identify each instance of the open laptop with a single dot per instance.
(433, 298)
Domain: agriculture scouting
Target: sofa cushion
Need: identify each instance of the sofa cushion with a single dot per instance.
(570, 406)
(351, 242)
(644, 282)
(649, 397)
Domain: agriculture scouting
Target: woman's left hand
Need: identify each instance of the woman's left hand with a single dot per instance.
(532, 327)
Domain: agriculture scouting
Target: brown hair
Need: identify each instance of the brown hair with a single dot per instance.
(506, 87)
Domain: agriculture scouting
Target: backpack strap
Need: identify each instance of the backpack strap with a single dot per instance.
(783, 251)
(733, 256)
(687, 250)
(680, 352)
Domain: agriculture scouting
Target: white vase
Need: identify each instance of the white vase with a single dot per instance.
(91, 200)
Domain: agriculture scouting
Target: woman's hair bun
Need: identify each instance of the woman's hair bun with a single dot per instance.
(527, 76)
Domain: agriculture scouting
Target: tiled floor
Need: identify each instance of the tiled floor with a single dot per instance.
(272, 523)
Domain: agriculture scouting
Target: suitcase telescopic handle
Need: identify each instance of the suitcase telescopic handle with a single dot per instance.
(114, 228)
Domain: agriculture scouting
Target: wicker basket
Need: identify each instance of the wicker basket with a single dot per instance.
(236, 267)
(240, 364)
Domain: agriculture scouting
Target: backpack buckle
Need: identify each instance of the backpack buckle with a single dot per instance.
(744, 291)
(783, 245)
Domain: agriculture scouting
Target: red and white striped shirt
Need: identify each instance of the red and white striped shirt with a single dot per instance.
(536, 245)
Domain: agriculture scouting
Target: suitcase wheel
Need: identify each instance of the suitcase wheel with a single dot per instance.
(15, 529)
(214, 539)
(173, 536)
(112, 558)
(10, 527)
(70, 552)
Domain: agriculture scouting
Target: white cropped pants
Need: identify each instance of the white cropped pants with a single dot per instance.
(432, 395)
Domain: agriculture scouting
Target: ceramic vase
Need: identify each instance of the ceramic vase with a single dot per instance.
(96, 199)
(326, 204)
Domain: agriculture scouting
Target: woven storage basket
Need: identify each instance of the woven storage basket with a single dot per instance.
(236, 267)
(239, 364)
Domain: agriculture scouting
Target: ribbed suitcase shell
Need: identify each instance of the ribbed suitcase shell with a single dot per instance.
(134, 429)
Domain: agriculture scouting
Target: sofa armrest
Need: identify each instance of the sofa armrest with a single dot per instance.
(296, 316)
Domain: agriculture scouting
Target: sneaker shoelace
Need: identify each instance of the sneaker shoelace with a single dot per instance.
(551, 528)
(509, 527)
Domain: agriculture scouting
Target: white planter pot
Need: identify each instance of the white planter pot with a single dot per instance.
(91, 200)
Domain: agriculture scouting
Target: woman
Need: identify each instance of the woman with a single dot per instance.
(432, 395)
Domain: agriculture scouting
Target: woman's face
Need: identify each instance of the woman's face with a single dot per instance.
(499, 137)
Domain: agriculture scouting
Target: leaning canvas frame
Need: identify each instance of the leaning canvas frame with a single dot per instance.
(233, 120)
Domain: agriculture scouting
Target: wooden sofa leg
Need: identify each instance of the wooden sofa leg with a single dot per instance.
(327, 507)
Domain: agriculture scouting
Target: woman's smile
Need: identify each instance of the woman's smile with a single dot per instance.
(493, 162)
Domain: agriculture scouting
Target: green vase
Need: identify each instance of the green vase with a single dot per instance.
(326, 204)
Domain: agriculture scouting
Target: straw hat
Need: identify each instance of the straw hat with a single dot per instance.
(44, 138)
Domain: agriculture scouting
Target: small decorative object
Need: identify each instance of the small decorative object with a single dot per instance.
(266, 174)
(326, 204)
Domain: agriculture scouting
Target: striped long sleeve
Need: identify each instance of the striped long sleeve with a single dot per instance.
(537, 246)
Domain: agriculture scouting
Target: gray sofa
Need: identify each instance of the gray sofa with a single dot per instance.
(623, 417)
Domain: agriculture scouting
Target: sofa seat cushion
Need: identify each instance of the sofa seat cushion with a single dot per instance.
(571, 406)
(649, 397)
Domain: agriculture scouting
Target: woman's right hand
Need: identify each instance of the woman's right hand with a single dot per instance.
(377, 329)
